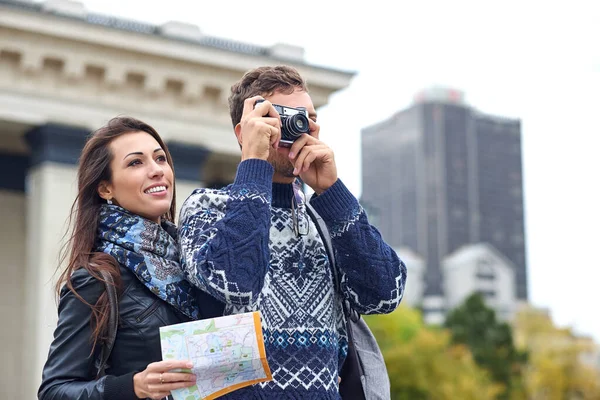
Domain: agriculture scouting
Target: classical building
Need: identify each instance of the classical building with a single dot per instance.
(64, 72)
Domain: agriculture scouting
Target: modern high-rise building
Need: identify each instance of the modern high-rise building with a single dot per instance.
(440, 175)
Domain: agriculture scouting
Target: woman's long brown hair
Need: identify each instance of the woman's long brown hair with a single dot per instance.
(94, 167)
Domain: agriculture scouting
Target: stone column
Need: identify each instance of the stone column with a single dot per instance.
(50, 191)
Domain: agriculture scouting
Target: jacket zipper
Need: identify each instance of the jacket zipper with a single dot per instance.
(149, 311)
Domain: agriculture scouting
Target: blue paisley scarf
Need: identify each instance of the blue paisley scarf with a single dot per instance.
(150, 251)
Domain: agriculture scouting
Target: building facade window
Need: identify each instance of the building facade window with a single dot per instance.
(485, 270)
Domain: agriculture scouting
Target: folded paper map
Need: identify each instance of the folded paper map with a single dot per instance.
(228, 353)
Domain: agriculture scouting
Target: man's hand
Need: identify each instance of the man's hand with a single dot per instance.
(313, 160)
(259, 129)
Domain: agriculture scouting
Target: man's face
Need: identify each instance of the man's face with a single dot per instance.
(279, 158)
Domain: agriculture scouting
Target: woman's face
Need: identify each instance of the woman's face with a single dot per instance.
(142, 179)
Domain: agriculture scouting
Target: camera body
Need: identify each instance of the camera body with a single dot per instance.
(294, 123)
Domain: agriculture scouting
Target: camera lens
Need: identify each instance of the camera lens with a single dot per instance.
(299, 124)
(296, 125)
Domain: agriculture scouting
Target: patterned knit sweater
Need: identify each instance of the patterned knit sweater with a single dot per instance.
(239, 245)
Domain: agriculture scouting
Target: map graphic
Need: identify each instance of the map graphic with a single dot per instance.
(228, 353)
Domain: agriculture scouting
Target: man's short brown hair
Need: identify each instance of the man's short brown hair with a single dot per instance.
(263, 81)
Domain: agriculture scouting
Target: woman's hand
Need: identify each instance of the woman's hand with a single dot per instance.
(156, 382)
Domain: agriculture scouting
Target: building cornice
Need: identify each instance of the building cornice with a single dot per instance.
(70, 70)
(75, 12)
(161, 40)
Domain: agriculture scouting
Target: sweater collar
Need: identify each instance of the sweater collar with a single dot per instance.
(282, 195)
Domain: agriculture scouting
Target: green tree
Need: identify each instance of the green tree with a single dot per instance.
(474, 325)
(423, 365)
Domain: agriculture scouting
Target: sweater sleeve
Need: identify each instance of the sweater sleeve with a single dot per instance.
(372, 276)
(69, 372)
(224, 235)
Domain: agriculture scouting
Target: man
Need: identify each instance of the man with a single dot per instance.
(253, 246)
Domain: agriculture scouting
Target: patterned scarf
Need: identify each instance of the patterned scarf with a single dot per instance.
(150, 251)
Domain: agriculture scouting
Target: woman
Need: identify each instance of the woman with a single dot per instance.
(121, 223)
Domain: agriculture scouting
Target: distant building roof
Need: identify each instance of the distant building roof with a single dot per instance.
(471, 251)
(440, 94)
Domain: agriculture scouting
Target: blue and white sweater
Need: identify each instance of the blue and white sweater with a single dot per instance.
(239, 245)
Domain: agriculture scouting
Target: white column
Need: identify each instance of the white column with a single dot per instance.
(51, 189)
(50, 192)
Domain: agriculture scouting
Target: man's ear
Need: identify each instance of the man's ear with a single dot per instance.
(238, 133)
(105, 191)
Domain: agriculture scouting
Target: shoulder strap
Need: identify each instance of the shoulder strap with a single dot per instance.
(113, 322)
(324, 233)
(325, 236)
(352, 370)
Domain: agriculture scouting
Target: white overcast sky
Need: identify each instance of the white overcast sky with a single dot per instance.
(534, 60)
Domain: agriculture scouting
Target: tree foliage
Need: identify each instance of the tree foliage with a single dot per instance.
(475, 356)
(422, 363)
(560, 363)
(474, 325)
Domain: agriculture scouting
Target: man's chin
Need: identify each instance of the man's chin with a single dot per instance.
(288, 173)
(284, 172)
(283, 168)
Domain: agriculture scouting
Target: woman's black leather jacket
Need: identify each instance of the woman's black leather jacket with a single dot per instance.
(70, 371)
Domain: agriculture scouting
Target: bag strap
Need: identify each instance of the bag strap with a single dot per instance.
(352, 365)
(326, 237)
(324, 233)
(113, 322)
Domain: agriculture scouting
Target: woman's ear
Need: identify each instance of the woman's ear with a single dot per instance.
(105, 191)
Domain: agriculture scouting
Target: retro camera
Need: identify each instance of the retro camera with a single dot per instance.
(294, 123)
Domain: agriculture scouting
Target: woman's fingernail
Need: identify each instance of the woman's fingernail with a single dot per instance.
(190, 365)
(292, 155)
(295, 171)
